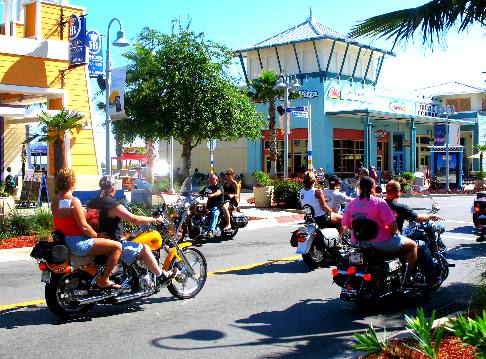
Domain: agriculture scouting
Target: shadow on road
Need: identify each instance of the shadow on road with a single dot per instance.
(466, 251)
(463, 229)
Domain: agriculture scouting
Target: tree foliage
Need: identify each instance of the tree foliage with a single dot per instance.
(53, 129)
(433, 20)
(179, 85)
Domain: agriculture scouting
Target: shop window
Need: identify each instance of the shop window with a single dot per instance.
(460, 104)
(347, 155)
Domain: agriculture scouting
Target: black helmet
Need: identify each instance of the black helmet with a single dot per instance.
(334, 180)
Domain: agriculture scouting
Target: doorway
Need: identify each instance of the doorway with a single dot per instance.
(398, 155)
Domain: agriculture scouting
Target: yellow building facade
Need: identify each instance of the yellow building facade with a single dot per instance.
(34, 76)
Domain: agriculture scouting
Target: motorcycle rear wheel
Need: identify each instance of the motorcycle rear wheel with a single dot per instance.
(315, 258)
(180, 287)
(59, 294)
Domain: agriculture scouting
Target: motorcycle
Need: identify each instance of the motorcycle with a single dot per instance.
(71, 290)
(367, 275)
(196, 224)
(318, 246)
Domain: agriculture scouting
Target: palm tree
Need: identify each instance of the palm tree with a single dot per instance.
(481, 149)
(264, 91)
(53, 130)
(432, 19)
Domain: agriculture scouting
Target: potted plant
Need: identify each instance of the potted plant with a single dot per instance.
(263, 190)
(480, 180)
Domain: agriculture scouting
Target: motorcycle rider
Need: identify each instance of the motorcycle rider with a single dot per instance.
(334, 197)
(230, 188)
(323, 214)
(387, 238)
(404, 212)
(110, 214)
(215, 194)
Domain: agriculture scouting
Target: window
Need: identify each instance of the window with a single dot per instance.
(460, 104)
(347, 155)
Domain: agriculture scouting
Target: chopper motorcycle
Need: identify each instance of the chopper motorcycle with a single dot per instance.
(196, 224)
(71, 291)
(367, 275)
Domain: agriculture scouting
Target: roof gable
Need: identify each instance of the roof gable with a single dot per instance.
(450, 88)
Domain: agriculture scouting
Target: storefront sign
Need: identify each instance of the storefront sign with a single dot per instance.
(77, 40)
(308, 94)
(439, 134)
(380, 133)
(95, 53)
(398, 107)
(428, 109)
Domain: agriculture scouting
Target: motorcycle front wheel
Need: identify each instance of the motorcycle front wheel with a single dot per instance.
(192, 277)
(60, 297)
(315, 258)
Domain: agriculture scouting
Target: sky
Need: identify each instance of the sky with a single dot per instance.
(241, 24)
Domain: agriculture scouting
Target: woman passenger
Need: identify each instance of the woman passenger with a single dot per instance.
(79, 235)
(230, 188)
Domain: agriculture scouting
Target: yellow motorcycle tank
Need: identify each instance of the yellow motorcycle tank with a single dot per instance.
(151, 238)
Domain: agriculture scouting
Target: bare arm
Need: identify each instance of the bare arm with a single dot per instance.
(423, 217)
(79, 217)
(123, 213)
(214, 194)
(322, 201)
(393, 227)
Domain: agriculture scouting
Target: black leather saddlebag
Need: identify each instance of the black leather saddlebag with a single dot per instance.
(238, 220)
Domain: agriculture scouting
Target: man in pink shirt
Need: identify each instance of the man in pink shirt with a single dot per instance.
(387, 237)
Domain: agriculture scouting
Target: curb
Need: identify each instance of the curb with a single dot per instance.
(15, 254)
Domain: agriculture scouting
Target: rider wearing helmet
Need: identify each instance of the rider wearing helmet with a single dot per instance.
(333, 196)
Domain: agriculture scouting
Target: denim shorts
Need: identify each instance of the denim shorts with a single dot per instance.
(130, 251)
(79, 245)
(391, 245)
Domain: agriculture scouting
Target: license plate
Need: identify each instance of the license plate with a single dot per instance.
(356, 258)
(46, 276)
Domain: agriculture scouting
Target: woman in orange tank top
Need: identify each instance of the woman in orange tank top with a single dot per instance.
(69, 218)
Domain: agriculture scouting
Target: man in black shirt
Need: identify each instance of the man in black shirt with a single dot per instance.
(105, 213)
(215, 200)
(404, 212)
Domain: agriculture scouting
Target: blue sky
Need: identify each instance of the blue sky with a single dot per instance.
(240, 24)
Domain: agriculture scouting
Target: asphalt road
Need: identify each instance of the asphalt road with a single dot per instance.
(263, 307)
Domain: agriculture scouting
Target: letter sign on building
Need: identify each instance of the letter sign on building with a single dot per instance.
(95, 53)
(77, 40)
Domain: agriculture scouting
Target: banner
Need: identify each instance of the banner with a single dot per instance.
(77, 40)
(117, 93)
(95, 53)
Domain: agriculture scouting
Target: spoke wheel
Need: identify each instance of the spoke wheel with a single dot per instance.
(315, 258)
(189, 282)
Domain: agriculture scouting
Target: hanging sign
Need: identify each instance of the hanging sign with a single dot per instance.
(95, 53)
(380, 133)
(117, 93)
(77, 40)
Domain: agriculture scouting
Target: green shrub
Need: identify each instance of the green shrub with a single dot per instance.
(43, 220)
(18, 224)
(163, 185)
(287, 191)
(471, 331)
(44, 235)
(369, 342)
(406, 180)
(262, 179)
(479, 175)
(421, 330)
(3, 193)
(137, 210)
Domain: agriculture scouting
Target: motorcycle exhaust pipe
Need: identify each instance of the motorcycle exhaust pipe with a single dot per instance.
(94, 299)
(128, 297)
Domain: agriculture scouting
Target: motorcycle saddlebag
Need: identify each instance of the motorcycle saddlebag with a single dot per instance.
(51, 252)
(239, 220)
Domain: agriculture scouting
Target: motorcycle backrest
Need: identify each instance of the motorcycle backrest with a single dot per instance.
(308, 213)
(364, 229)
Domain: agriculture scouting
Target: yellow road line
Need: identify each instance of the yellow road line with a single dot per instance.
(234, 269)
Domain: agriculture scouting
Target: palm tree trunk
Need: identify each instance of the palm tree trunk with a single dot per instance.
(59, 162)
(118, 150)
(149, 166)
(273, 138)
(186, 157)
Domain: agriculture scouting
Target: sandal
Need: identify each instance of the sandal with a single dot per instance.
(108, 287)
(228, 229)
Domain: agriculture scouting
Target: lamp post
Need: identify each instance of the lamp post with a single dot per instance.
(448, 110)
(119, 42)
(285, 83)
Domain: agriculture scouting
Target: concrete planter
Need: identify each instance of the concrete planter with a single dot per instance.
(263, 196)
(7, 204)
(480, 184)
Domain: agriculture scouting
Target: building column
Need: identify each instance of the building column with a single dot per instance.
(413, 146)
(2, 148)
(460, 174)
(367, 141)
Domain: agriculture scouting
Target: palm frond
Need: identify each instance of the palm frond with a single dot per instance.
(432, 20)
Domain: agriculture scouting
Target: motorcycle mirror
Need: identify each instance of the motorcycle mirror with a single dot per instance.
(435, 208)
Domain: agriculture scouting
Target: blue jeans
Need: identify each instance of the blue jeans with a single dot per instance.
(425, 260)
(213, 222)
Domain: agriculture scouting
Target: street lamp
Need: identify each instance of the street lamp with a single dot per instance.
(119, 42)
(447, 110)
(285, 83)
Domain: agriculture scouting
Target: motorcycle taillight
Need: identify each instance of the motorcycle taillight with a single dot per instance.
(43, 266)
(301, 238)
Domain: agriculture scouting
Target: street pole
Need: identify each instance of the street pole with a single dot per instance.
(171, 166)
(119, 42)
(447, 150)
(310, 165)
(286, 134)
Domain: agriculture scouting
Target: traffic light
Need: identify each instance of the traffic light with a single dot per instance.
(280, 110)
